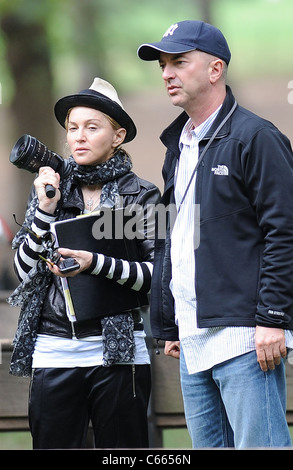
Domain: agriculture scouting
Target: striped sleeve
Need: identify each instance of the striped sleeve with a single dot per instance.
(27, 254)
(131, 274)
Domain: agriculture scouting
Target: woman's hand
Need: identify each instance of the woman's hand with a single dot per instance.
(47, 176)
(84, 259)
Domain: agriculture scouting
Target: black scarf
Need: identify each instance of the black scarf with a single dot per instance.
(118, 339)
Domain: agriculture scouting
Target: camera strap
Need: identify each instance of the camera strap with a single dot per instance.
(205, 151)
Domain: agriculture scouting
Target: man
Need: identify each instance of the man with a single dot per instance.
(228, 297)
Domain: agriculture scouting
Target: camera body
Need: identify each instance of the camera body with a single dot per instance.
(30, 154)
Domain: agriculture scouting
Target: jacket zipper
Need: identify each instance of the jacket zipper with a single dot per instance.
(133, 381)
(157, 347)
(31, 384)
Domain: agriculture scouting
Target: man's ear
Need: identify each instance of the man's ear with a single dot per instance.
(216, 70)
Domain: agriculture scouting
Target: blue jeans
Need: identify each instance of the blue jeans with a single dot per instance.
(235, 404)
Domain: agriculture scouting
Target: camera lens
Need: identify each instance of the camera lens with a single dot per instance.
(20, 150)
(30, 154)
(23, 154)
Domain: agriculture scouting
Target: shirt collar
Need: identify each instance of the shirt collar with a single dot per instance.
(190, 132)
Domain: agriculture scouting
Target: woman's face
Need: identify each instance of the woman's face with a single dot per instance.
(91, 137)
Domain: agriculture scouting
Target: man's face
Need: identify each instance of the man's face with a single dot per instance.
(186, 77)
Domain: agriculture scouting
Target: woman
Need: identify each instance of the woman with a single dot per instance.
(75, 380)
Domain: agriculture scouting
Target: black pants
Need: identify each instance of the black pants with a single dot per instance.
(115, 399)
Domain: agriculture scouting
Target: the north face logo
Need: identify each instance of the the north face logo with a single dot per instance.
(170, 30)
(221, 170)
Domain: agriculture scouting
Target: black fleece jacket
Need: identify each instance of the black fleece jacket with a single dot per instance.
(244, 262)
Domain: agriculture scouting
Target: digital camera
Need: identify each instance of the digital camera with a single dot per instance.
(30, 154)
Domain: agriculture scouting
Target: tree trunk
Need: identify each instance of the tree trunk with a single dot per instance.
(29, 62)
(28, 57)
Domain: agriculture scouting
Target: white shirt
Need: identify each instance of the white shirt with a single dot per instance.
(52, 351)
(203, 347)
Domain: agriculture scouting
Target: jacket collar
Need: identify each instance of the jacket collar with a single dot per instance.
(127, 184)
(227, 105)
(170, 136)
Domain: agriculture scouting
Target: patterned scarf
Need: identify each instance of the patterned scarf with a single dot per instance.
(118, 338)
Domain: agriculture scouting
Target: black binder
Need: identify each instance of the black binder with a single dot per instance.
(97, 296)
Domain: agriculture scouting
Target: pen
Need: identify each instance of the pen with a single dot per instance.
(47, 260)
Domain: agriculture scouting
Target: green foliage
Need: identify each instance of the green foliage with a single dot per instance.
(100, 37)
(260, 35)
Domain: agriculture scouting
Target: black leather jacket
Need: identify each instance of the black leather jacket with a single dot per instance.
(54, 320)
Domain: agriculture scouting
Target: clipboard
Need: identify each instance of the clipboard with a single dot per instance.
(90, 296)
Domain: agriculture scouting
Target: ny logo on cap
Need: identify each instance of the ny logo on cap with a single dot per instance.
(170, 30)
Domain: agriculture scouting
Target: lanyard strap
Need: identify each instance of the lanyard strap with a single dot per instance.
(205, 151)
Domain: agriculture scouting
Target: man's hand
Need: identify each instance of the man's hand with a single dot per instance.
(270, 347)
(172, 348)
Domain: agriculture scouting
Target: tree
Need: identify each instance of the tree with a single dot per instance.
(206, 10)
(28, 57)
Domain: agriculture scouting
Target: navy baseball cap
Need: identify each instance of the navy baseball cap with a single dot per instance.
(186, 36)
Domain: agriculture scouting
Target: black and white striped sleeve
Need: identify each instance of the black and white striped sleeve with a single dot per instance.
(131, 274)
(27, 254)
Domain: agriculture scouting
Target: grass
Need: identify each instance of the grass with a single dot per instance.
(15, 441)
(172, 439)
(176, 439)
(179, 438)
